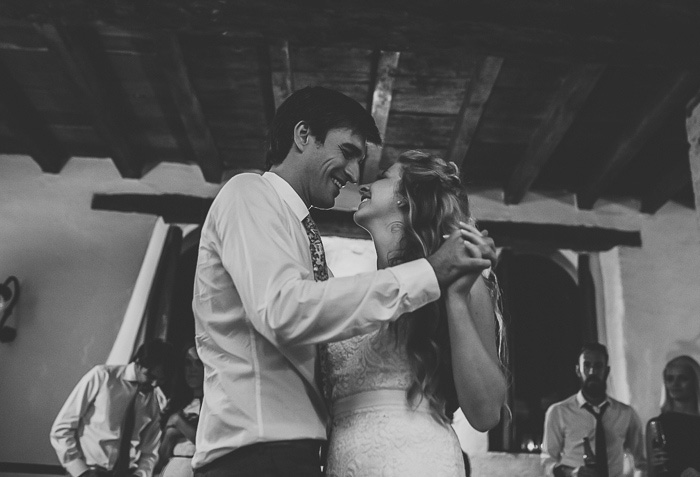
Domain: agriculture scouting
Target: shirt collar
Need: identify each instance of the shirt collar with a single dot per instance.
(287, 194)
(580, 400)
(130, 372)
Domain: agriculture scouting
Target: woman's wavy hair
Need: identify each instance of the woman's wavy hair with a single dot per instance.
(694, 367)
(434, 202)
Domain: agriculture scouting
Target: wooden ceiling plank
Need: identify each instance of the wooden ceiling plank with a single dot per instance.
(633, 32)
(80, 70)
(387, 63)
(570, 97)
(665, 189)
(282, 78)
(29, 126)
(681, 87)
(172, 64)
(476, 95)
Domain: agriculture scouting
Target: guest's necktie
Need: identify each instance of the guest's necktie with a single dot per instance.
(601, 449)
(123, 462)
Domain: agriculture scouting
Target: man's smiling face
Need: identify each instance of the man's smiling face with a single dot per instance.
(331, 164)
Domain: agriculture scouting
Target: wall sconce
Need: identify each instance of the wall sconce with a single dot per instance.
(9, 294)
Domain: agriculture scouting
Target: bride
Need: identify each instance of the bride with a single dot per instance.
(392, 392)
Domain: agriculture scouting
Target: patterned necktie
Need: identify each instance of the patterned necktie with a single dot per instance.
(318, 255)
(318, 260)
(601, 448)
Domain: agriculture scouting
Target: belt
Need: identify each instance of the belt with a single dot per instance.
(392, 398)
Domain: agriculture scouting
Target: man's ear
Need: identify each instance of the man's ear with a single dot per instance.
(578, 372)
(607, 372)
(302, 135)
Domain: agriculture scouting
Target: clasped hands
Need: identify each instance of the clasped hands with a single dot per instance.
(466, 251)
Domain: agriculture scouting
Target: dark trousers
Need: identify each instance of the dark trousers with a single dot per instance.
(295, 458)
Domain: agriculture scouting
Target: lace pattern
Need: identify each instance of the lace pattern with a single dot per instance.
(387, 439)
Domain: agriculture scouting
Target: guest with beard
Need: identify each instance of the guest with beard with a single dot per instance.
(613, 428)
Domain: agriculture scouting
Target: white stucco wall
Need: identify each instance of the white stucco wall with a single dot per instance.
(661, 292)
(77, 268)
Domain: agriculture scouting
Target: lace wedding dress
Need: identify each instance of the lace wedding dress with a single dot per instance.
(375, 431)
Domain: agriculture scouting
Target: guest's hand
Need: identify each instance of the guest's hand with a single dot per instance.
(465, 251)
(584, 472)
(658, 458)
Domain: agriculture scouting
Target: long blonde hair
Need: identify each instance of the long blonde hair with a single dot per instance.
(684, 360)
(435, 201)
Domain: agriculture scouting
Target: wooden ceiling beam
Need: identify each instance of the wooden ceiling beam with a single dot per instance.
(29, 126)
(666, 188)
(177, 208)
(574, 90)
(172, 64)
(92, 91)
(607, 32)
(386, 64)
(680, 88)
(477, 92)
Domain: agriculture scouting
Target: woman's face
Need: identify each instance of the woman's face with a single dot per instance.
(194, 370)
(379, 202)
(680, 382)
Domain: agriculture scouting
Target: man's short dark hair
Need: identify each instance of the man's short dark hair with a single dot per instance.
(323, 109)
(596, 347)
(154, 353)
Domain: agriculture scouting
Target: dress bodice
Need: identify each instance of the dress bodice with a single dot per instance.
(365, 363)
(375, 431)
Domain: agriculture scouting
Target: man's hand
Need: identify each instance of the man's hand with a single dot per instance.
(465, 251)
(690, 472)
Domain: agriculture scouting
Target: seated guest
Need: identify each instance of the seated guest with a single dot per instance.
(110, 423)
(181, 417)
(679, 422)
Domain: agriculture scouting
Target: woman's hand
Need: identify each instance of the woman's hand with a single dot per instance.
(479, 245)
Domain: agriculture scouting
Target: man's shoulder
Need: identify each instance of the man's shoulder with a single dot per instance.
(621, 406)
(245, 187)
(245, 180)
(562, 405)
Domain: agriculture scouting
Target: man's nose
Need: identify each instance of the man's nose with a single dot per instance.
(353, 171)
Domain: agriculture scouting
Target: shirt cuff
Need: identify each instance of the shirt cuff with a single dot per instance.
(76, 467)
(418, 279)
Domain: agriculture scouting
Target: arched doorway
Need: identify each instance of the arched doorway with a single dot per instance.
(547, 322)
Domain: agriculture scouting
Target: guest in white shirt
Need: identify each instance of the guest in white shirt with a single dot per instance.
(259, 309)
(612, 428)
(88, 433)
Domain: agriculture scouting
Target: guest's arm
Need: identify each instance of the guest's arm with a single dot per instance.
(64, 431)
(186, 428)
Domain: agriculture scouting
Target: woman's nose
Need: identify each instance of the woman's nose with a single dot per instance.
(364, 188)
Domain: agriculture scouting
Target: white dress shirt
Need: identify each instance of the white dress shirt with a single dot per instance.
(86, 431)
(259, 314)
(566, 423)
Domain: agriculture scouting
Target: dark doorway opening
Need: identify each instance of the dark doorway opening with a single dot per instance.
(181, 327)
(546, 321)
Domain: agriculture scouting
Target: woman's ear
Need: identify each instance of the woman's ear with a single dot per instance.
(302, 135)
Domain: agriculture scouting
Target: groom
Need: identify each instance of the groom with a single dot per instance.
(263, 298)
